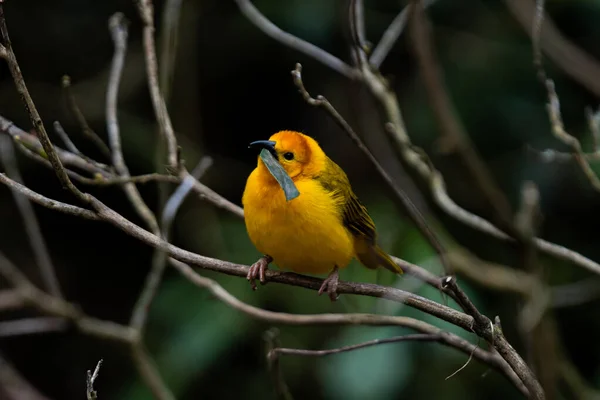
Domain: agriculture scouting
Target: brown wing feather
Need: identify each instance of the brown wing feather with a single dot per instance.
(355, 218)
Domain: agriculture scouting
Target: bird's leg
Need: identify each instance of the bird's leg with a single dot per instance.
(258, 269)
(330, 284)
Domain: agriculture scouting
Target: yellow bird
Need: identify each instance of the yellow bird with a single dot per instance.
(318, 232)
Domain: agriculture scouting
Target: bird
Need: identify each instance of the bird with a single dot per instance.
(322, 229)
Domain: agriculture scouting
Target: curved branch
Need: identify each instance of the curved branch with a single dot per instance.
(294, 42)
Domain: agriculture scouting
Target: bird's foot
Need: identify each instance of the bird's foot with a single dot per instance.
(330, 284)
(258, 270)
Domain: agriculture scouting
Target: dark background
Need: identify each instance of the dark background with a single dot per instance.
(232, 85)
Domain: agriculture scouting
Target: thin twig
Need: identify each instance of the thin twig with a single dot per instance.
(62, 134)
(452, 130)
(47, 202)
(282, 390)
(553, 106)
(85, 128)
(31, 326)
(142, 306)
(574, 294)
(574, 61)
(558, 129)
(90, 380)
(419, 337)
(118, 29)
(10, 300)
(464, 365)
(146, 11)
(391, 35)
(54, 306)
(272, 30)
(32, 227)
(32, 143)
(169, 42)
(149, 373)
(34, 116)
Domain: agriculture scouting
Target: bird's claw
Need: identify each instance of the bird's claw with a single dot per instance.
(330, 285)
(258, 270)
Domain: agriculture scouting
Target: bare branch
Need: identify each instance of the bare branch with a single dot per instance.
(91, 379)
(391, 34)
(272, 30)
(169, 42)
(32, 143)
(47, 202)
(10, 300)
(85, 128)
(423, 337)
(142, 306)
(455, 138)
(147, 369)
(118, 29)
(271, 338)
(30, 326)
(561, 134)
(32, 227)
(146, 11)
(62, 134)
(57, 307)
(573, 294)
(345, 319)
(565, 54)
(32, 111)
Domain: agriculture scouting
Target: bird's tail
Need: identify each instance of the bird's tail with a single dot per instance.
(386, 262)
(374, 256)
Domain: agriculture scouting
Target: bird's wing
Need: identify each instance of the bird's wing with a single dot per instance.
(354, 215)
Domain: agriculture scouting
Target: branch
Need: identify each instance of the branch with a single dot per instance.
(347, 319)
(85, 128)
(453, 133)
(31, 326)
(391, 35)
(32, 228)
(118, 29)
(47, 202)
(146, 11)
(564, 53)
(272, 30)
(272, 341)
(91, 379)
(561, 134)
(34, 116)
(142, 306)
(423, 337)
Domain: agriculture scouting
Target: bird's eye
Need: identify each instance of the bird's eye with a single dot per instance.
(288, 156)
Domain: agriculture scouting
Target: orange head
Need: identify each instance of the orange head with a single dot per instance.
(298, 154)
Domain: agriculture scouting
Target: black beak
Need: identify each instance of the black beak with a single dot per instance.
(264, 144)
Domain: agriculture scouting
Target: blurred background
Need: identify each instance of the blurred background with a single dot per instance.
(232, 85)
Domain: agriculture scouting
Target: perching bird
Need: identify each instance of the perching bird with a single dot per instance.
(318, 232)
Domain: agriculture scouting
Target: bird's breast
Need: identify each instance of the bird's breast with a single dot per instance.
(305, 235)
